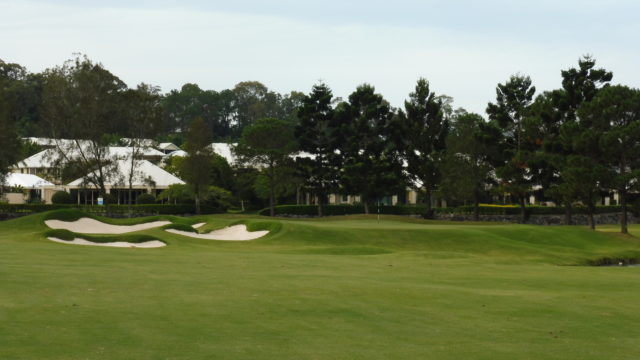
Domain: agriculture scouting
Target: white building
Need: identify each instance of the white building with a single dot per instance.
(147, 178)
(45, 163)
(167, 147)
(26, 188)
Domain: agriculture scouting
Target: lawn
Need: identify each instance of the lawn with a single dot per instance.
(338, 288)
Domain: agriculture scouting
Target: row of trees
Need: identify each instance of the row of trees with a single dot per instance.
(226, 112)
(575, 142)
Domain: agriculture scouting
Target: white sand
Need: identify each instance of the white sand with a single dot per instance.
(198, 225)
(92, 226)
(232, 233)
(78, 241)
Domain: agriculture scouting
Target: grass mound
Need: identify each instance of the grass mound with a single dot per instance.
(75, 214)
(69, 236)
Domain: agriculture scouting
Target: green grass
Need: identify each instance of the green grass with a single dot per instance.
(338, 288)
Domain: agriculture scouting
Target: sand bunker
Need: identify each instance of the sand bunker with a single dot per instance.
(92, 226)
(79, 241)
(198, 225)
(232, 233)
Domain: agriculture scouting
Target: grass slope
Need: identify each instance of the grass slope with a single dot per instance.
(341, 288)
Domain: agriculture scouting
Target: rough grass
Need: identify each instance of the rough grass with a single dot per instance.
(354, 288)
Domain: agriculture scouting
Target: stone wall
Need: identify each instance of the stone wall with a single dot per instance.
(578, 219)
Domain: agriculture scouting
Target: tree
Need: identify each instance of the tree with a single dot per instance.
(253, 101)
(245, 179)
(513, 99)
(10, 143)
(221, 172)
(553, 119)
(180, 107)
(268, 144)
(82, 101)
(369, 146)
(196, 166)
(466, 167)
(581, 85)
(316, 133)
(614, 113)
(425, 130)
(144, 113)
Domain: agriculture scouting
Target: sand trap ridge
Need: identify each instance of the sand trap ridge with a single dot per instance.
(232, 233)
(79, 241)
(92, 226)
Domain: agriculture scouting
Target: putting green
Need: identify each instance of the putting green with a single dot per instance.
(339, 288)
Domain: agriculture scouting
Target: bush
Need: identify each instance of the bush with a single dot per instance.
(109, 199)
(62, 197)
(145, 199)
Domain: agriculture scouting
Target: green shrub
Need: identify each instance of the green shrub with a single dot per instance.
(145, 199)
(62, 197)
(145, 209)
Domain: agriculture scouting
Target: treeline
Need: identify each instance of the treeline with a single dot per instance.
(573, 143)
(226, 112)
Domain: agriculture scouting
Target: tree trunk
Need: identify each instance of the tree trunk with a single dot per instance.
(366, 206)
(427, 198)
(197, 194)
(624, 219)
(130, 199)
(568, 214)
(591, 208)
(272, 205)
(320, 203)
(242, 205)
(523, 209)
(476, 207)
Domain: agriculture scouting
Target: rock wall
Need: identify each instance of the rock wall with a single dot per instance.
(578, 219)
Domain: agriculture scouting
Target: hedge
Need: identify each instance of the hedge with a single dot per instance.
(333, 210)
(158, 209)
(534, 210)
(485, 209)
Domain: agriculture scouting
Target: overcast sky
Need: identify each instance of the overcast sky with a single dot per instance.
(464, 48)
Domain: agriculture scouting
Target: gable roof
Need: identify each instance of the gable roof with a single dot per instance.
(144, 173)
(47, 158)
(26, 181)
(224, 150)
(168, 146)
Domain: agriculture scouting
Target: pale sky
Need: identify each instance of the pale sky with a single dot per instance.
(464, 48)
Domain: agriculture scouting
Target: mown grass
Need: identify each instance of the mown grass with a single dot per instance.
(340, 288)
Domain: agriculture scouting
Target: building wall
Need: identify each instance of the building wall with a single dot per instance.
(15, 198)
